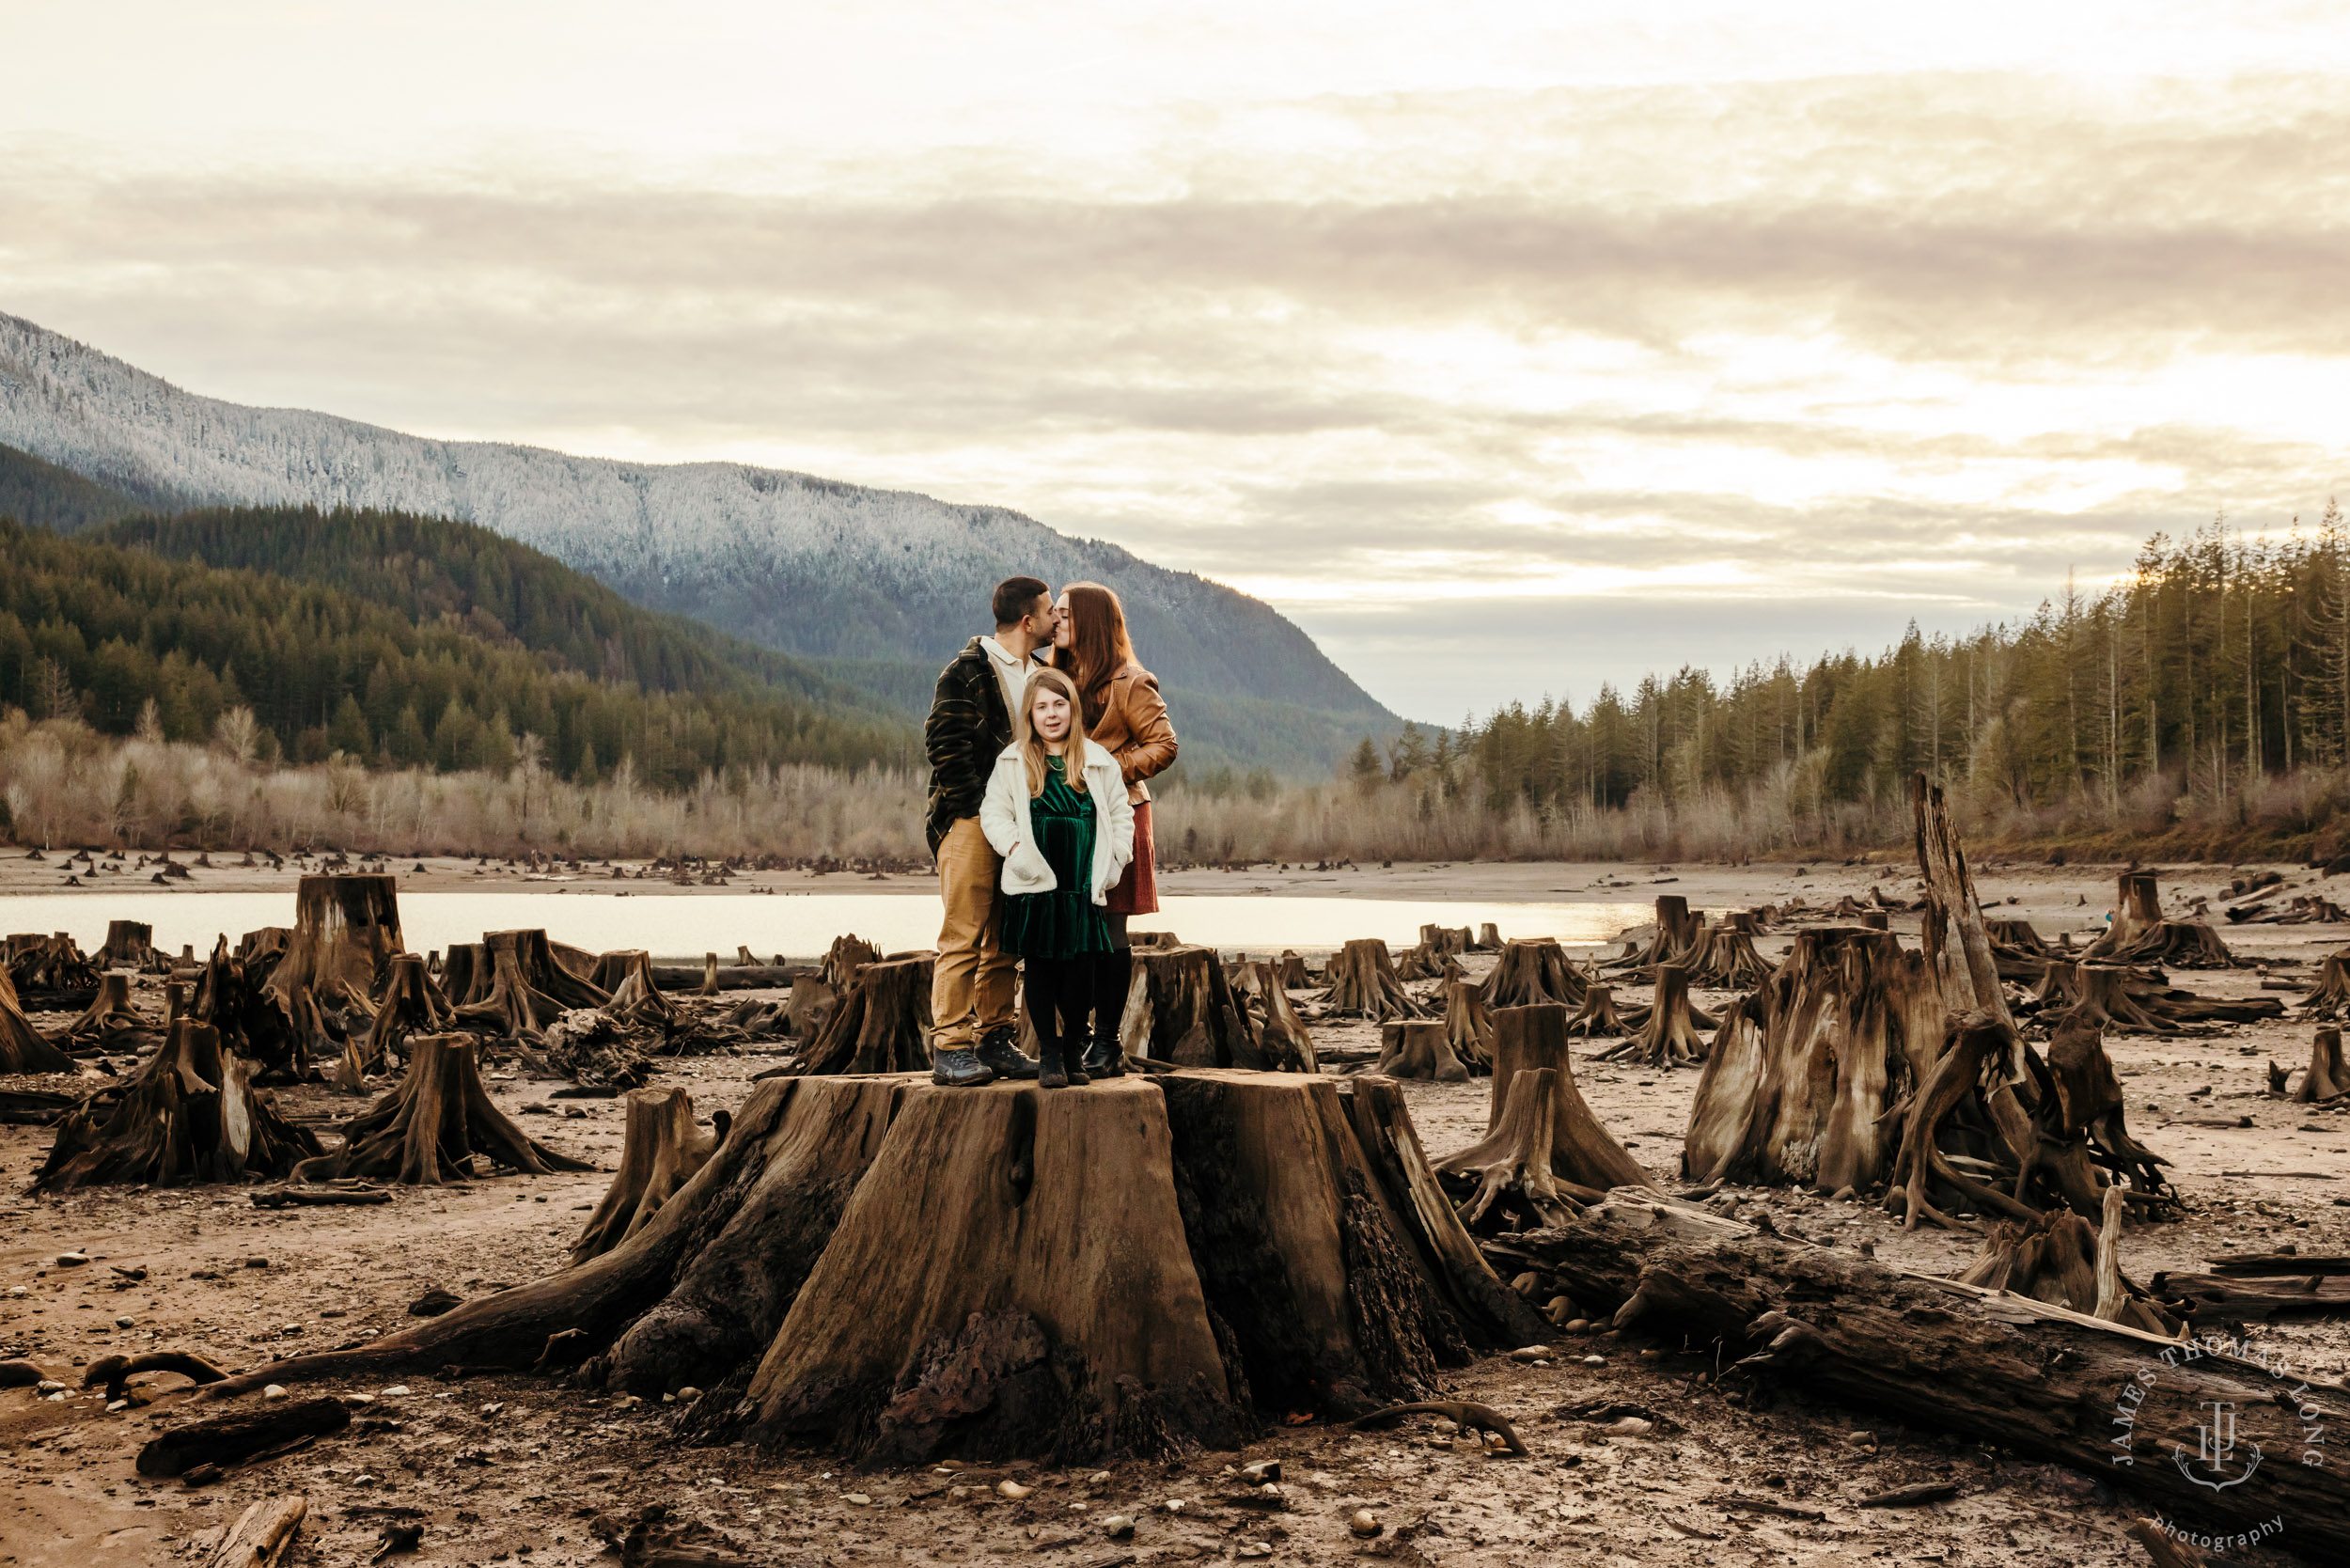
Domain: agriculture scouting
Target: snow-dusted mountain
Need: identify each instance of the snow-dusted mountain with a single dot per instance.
(802, 564)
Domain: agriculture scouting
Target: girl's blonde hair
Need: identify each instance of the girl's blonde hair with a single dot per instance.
(1032, 750)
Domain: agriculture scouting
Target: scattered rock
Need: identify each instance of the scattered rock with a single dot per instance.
(432, 1303)
(72, 1259)
(1363, 1522)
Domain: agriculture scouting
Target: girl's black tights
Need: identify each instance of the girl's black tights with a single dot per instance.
(1060, 1000)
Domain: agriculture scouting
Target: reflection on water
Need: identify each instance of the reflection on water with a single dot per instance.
(797, 926)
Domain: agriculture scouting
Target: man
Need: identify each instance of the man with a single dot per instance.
(970, 724)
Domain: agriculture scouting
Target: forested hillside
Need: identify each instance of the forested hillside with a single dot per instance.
(2206, 697)
(415, 668)
(32, 490)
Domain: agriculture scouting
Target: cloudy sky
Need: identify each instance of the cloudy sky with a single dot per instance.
(1510, 349)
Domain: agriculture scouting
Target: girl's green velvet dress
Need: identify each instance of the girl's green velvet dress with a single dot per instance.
(1065, 922)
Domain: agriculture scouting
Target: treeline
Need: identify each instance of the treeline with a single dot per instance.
(456, 651)
(2209, 689)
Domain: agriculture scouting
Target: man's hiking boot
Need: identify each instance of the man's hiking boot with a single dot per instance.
(1001, 1055)
(960, 1068)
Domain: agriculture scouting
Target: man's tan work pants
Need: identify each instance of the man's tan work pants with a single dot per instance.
(971, 988)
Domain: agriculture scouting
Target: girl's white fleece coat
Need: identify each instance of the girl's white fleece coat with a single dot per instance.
(1003, 818)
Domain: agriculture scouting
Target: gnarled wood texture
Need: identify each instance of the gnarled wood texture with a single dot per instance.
(883, 1025)
(191, 1114)
(1180, 1009)
(1583, 1150)
(1468, 1025)
(1418, 1048)
(1363, 981)
(1505, 1179)
(346, 933)
(428, 1130)
(411, 1005)
(661, 1148)
(1667, 1037)
(1281, 1035)
(1531, 972)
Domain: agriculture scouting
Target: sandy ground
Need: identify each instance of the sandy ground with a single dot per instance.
(509, 1470)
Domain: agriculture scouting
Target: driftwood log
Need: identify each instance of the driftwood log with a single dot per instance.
(262, 1535)
(1531, 972)
(190, 1114)
(1363, 981)
(428, 1130)
(24, 1048)
(904, 1270)
(226, 1440)
(2050, 1384)
(882, 1025)
(660, 1151)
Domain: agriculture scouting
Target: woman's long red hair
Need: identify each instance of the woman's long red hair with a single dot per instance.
(1099, 647)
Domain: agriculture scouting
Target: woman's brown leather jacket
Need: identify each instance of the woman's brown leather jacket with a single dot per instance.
(1135, 728)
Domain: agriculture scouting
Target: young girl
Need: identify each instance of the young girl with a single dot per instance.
(1057, 811)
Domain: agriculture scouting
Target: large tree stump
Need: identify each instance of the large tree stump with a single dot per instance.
(1667, 1037)
(23, 1047)
(1598, 1015)
(1363, 981)
(1281, 1035)
(1507, 1179)
(428, 1130)
(924, 1272)
(2327, 1079)
(883, 1025)
(346, 933)
(1418, 1048)
(1180, 1009)
(191, 1114)
(1727, 959)
(130, 945)
(466, 973)
(111, 1022)
(1445, 941)
(1583, 1150)
(2140, 934)
(812, 1000)
(261, 951)
(411, 1005)
(2052, 1384)
(1533, 971)
(1468, 1025)
(1798, 1079)
(51, 969)
(1680, 935)
(1292, 971)
(635, 999)
(660, 1151)
(527, 988)
(2062, 1259)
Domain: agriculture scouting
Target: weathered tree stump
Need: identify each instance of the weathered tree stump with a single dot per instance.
(1363, 981)
(1508, 1177)
(2062, 1259)
(1583, 1152)
(1799, 1077)
(812, 999)
(191, 1114)
(660, 1151)
(2051, 1384)
(111, 1022)
(411, 1005)
(1418, 1048)
(51, 969)
(261, 951)
(2128, 999)
(1488, 938)
(1445, 941)
(2330, 996)
(2140, 934)
(1667, 1037)
(1727, 959)
(1293, 972)
(466, 974)
(23, 1047)
(427, 1130)
(844, 957)
(1419, 962)
(1180, 1009)
(882, 1025)
(1679, 935)
(527, 988)
(1468, 1025)
(922, 1272)
(635, 999)
(1281, 1036)
(1598, 1016)
(2326, 1078)
(346, 933)
(1533, 971)
(130, 945)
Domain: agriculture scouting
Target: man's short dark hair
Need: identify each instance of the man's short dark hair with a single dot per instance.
(1015, 597)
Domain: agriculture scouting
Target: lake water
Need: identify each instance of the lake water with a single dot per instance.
(795, 925)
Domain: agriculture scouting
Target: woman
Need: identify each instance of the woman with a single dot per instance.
(1125, 715)
(1055, 810)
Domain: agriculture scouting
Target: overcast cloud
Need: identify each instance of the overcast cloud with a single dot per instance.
(1507, 356)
